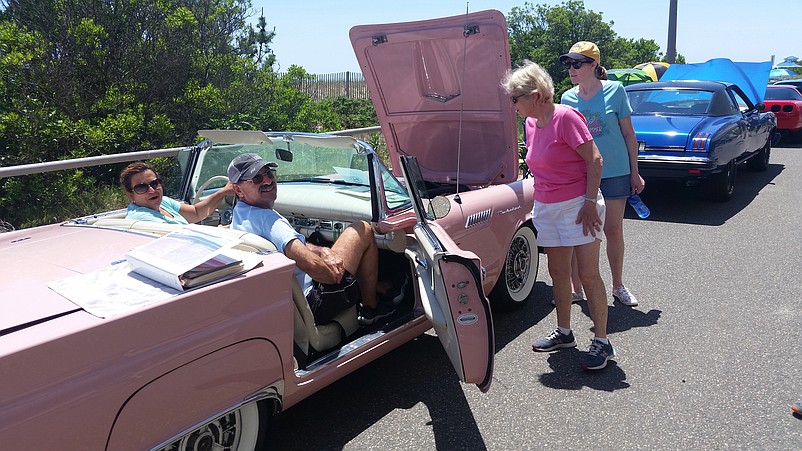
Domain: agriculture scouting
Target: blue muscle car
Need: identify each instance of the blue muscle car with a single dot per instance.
(696, 131)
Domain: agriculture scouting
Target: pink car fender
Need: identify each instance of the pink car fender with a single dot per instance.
(189, 396)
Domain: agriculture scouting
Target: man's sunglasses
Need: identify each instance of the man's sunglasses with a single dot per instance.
(260, 177)
(142, 188)
(575, 64)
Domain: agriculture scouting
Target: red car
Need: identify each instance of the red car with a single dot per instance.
(785, 102)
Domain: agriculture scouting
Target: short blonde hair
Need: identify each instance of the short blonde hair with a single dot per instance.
(528, 79)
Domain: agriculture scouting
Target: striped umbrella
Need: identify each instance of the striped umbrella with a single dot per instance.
(654, 69)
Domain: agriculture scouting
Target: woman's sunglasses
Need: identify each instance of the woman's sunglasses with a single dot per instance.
(260, 177)
(574, 64)
(515, 98)
(142, 188)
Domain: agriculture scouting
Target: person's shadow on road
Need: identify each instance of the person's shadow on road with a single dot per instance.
(621, 318)
(566, 375)
(510, 324)
(565, 363)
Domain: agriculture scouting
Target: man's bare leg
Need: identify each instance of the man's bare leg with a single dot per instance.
(357, 247)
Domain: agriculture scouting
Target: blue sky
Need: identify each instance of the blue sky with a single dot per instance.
(314, 33)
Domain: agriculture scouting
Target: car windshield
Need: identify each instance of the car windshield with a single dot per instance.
(307, 159)
(783, 94)
(797, 83)
(670, 101)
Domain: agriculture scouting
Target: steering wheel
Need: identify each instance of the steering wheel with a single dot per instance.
(204, 185)
(225, 214)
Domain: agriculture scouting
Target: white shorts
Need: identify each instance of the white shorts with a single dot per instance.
(556, 223)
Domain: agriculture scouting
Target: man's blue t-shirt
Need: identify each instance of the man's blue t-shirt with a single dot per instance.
(269, 224)
(602, 113)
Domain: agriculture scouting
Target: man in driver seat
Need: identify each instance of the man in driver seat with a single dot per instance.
(333, 279)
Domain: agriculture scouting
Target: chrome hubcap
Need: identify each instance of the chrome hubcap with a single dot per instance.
(518, 260)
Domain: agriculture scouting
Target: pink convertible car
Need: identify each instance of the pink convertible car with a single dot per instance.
(94, 357)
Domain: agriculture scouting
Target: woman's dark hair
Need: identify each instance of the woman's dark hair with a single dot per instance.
(131, 170)
(600, 72)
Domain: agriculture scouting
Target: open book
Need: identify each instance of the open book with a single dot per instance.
(188, 257)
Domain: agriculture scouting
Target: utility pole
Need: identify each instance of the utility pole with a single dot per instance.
(671, 52)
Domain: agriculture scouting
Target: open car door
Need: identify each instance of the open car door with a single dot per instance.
(450, 285)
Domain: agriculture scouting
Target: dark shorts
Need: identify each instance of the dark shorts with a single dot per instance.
(326, 301)
(616, 187)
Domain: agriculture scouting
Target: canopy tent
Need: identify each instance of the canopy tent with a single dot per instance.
(752, 78)
(789, 61)
(655, 69)
(628, 76)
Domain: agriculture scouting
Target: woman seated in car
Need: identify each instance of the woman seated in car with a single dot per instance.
(143, 187)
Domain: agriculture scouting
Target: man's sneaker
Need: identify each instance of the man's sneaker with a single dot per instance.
(624, 296)
(598, 354)
(575, 297)
(553, 341)
(369, 316)
(797, 406)
(396, 294)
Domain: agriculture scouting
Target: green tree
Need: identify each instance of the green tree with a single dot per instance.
(353, 113)
(82, 78)
(541, 33)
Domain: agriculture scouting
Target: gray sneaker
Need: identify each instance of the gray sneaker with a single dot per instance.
(598, 355)
(624, 296)
(554, 340)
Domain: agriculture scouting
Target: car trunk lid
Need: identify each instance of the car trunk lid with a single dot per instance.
(669, 132)
(31, 258)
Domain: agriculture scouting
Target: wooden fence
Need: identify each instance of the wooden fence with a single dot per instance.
(348, 84)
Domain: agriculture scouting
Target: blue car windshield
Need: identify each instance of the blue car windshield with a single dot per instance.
(670, 101)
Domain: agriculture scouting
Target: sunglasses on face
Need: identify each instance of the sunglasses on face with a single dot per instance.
(142, 188)
(515, 98)
(575, 64)
(260, 177)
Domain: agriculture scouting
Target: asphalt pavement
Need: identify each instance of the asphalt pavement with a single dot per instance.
(710, 359)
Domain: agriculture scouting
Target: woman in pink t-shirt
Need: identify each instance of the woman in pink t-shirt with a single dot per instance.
(568, 208)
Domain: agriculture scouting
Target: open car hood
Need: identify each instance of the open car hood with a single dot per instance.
(436, 88)
(752, 78)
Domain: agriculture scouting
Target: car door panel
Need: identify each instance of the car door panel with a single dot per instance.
(450, 286)
(453, 300)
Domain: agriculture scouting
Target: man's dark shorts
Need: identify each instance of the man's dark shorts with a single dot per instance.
(326, 301)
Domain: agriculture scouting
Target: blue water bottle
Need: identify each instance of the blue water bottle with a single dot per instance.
(640, 208)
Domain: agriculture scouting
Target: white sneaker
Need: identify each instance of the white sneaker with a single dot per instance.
(575, 297)
(624, 296)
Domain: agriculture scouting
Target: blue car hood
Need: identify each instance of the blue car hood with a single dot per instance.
(752, 78)
(664, 131)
